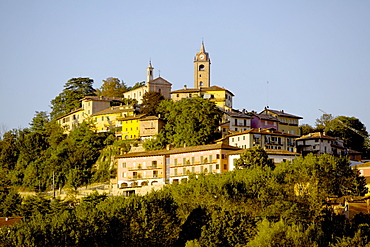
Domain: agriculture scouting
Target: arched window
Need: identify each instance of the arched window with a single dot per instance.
(201, 67)
(201, 83)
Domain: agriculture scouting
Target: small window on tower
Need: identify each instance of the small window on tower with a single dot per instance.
(201, 83)
(201, 67)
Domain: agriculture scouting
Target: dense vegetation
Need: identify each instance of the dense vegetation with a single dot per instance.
(254, 206)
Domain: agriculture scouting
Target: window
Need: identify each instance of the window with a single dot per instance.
(175, 171)
(201, 159)
(154, 164)
(217, 166)
(243, 138)
(183, 171)
(175, 162)
(183, 161)
(210, 159)
(123, 175)
(232, 139)
(201, 169)
(192, 160)
(201, 67)
(217, 156)
(210, 168)
(225, 166)
(193, 169)
(123, 165)
(155, 174)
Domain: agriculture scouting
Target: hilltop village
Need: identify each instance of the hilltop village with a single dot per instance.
(276, 131)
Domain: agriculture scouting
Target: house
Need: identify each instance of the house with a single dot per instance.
(171, 165)
(364, 170)
(320, 143)
(288, 123)
(150, 126)
(90, 106)
(222, 97)
(266, 138)
(236, 121)
(264, 121)
(277, 155)
(107, 119)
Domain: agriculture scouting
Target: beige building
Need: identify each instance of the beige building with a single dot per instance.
(171, 166)
(320, 143)
(150, 126)
(266, 138)
(90, 106)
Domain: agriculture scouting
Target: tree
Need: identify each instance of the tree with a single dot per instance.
(69, 99)
(192, 121)
(323, 123)
(39, 121)
(351, 130)
(112, 87)
(255, 156)
(150, 103)
(306, 129)
(137, 85)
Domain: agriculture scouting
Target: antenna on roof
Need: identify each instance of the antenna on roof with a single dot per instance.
(267, 95)
(159, 73)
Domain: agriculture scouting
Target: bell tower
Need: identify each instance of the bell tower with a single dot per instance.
(202, 67)
(149, 72)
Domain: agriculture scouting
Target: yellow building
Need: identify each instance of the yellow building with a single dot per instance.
(107, 119)
(131, 126)
(288, 123)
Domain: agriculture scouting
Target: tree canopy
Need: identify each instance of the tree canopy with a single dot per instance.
(150, 103)
(112, 87)
(190, 121)
(69, 99)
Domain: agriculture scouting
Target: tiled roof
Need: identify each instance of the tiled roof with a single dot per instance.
(101, 98)
(203, 89)
(367, 164)
(110, 110)
(237, 114)
(9, 221)
(132, 117)
(148, 118)
(269, 152)
(268, 131)
(179, 150)
(281, 113)
(266, 117)
(315, 135)
(160, 78)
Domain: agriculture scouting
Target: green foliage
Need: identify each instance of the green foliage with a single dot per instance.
(306, 129)
(150, 103)
(255, 156)
(188, 121)
(112, 87)
(137, 85)
(69, 99)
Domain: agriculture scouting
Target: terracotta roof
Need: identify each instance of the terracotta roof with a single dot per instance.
(269, 152)
(179, 150)
(281, 113)
(9, 221)
(203, 89)
(367, 164)
(237, 114)
(110, 110)
(315, 135)
(148, 118)
(131, 117)
(101, 98)
(268, 131)
(72, 112)
(266, 117)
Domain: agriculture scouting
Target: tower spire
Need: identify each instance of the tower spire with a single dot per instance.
(149, 74)
(202, 48)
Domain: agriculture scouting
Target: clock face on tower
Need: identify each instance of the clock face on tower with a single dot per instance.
(201, 56)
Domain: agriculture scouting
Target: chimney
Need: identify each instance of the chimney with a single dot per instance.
(243, 111)
(185, 145)
(168, 147)
(184, 86)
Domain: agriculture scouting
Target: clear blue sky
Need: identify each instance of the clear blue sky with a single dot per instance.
(314, 54)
